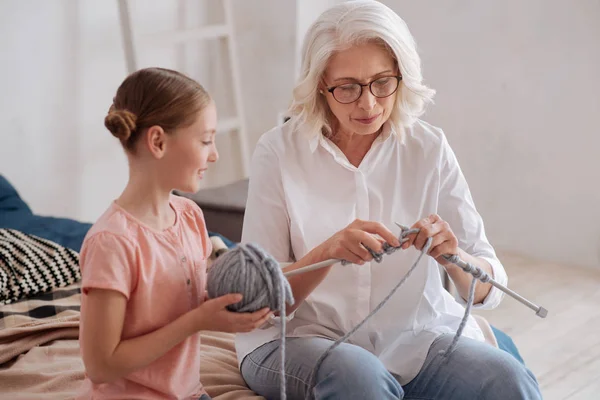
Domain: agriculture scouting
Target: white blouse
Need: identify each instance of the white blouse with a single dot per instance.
(303, 190)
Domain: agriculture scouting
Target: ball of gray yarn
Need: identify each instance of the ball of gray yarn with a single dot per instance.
(251, 271)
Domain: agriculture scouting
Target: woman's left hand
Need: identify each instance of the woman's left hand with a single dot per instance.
(443, 239)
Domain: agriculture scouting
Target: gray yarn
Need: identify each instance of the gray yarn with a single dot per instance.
(463, 322)
(478, 274)
(377, 257)
(249, 270)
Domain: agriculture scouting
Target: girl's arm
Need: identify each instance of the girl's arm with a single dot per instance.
(108, 358)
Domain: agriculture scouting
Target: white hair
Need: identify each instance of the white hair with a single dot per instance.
(345, 25)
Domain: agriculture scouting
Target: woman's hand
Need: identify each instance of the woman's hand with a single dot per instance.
(443, 239)
(349, 243)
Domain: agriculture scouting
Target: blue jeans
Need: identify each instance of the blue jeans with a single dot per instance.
(474, 371)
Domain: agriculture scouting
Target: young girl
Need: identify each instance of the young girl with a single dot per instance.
(143, 262)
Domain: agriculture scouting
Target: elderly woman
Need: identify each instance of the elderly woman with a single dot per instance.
(330, 183)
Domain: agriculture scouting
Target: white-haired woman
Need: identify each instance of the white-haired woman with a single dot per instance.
(353, 160)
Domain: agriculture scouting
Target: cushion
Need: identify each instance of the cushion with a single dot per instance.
(506, 343)
(10, 199)
(16, 214)
(30, 265)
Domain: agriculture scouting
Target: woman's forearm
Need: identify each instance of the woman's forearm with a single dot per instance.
(462, 280)
(303, 284)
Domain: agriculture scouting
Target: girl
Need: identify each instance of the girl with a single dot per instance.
(143, 262)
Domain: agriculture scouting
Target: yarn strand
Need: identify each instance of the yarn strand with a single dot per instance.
(249, 270)
(282, 282)
(463, 322)
(341, 340)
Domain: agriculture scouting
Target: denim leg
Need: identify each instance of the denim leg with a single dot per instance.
(348, 372)
(473, 371)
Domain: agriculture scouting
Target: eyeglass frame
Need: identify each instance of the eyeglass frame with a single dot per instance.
(398, 80)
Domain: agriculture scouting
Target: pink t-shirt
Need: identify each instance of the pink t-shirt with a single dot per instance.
(163, 275)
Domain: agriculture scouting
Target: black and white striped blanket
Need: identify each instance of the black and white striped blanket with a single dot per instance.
(30, 265)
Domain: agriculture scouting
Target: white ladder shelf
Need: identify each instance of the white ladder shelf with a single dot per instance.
(224, 31)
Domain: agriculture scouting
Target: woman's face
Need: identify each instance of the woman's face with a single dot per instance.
(363, 64)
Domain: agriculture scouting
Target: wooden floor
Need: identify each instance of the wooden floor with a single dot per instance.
(562, 350)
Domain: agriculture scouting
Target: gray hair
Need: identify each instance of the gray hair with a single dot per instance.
(344, 25)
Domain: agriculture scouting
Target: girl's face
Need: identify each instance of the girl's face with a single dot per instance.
(189, 151)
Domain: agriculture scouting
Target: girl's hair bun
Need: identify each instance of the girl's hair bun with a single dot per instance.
(121, 123)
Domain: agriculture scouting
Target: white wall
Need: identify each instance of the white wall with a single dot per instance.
(518, 97)
(62, 62)
(517, 90)
(38, 103)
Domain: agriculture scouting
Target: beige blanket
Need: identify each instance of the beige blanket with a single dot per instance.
(39, 352)
(51, 371)
(219, 369)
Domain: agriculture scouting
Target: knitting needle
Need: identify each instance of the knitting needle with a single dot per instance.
(311, 267)
(539, 311)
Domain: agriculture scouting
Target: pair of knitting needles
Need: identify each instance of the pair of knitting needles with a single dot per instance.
(539, 311)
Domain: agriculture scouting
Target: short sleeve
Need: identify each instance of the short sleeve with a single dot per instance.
(456, 206)
(108, 261)
(206, 242)
(199, 227)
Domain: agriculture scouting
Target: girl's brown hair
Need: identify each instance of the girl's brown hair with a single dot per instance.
(154, 96)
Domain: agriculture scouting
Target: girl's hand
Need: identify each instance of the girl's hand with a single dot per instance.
(444, 241)
(212, 315)
(349, 243)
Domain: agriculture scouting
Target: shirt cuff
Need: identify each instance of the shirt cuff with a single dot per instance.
(495, 296)
(276, 321)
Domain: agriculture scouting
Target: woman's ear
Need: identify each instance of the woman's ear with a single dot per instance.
(155, 141)
(322, 87)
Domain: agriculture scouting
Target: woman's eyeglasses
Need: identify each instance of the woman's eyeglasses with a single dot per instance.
(380, 87)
